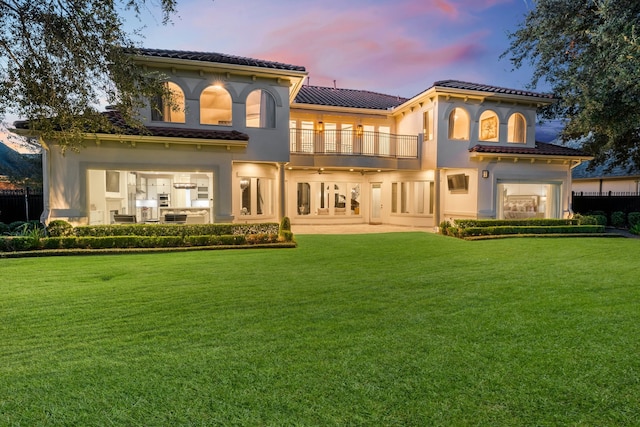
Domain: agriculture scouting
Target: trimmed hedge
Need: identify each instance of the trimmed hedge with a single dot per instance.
(61, 235)
(539, 222)
(174, 229)
(508, 230)
(469, 228)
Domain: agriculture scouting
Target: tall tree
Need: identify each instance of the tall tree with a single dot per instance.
(589, 52)
(61, 59)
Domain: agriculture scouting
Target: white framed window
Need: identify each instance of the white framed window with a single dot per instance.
(256, 196)
(384, 140)
(427, 125)
(346, 138)
(215, 106)
(261, 110)
(459, 124)
(517, 129)
(173, 110)
(329, 133)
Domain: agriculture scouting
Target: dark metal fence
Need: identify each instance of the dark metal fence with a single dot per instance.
(608, 202)
(20, 205)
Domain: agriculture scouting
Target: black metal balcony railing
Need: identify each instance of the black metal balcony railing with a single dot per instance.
(350, 142)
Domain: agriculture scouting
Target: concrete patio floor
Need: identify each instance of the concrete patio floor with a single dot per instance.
(355, 229)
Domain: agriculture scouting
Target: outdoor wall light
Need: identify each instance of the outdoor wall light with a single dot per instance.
(359, 130)
(320, 127)
(485, 173)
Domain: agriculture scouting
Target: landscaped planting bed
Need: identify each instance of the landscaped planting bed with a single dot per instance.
(60, 238)
(477, 229)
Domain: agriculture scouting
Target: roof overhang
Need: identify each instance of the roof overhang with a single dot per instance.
(530, 158)
(341, 110)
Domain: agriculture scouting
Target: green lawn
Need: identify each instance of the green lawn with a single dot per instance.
(406, 329)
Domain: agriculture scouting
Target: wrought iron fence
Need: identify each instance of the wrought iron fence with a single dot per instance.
(20, 205)
(609, 202)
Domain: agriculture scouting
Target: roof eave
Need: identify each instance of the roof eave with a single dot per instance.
(350, 110)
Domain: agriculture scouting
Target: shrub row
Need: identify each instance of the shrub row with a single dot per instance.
(62, 235)
(509, 230)
(491, 227)
(20, 243)
(540, 222)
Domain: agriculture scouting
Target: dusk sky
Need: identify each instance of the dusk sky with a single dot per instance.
(397, 47)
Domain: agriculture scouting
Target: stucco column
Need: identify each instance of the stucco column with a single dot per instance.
(282, 199)
(223, 197)
(436, 195)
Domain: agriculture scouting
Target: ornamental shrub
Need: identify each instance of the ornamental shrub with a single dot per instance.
(59, 228)
(634, 219)
(618, 219)
(4, 228)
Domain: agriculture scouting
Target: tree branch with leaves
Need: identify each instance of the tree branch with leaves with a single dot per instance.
(589, 52)
(61, 59)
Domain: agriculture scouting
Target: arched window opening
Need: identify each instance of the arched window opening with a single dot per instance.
(261, 110)
(172, 110)
(489, 126)
(215, 106)
(459, 124)
(517, 128)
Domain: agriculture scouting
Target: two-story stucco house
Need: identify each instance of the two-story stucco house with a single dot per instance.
(253, 143)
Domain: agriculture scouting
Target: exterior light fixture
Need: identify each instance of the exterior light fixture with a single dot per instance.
(359, 130)
(485, 173)
(320, 127)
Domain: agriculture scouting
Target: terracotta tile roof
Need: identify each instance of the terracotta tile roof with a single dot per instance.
(337, 97)
(456, 84)
(175, 132)
(217, 58)
(162, 131)
(541, 149)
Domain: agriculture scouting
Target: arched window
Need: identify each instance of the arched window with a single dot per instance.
(517, 128)
(489, 126)
(459, 124)
(261, 110)
(172, 111)
(215, 106)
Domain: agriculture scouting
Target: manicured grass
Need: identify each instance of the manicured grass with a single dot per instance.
(388, 329)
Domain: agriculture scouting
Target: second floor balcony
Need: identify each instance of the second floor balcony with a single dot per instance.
(353, 143)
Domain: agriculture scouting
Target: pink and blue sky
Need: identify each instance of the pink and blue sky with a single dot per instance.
(398, 47)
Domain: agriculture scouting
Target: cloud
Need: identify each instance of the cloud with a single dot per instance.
(373, 50)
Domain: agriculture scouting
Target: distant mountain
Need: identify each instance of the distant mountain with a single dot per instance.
(17, 143)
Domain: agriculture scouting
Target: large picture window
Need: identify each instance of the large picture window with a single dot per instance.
(256, 196)
(412, 197)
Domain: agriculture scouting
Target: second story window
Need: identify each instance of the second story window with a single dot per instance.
(261, 110)
(517, 127)
(427, 125)
(170, 110)
(489, 126)
(459, 124)
(215, 106)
